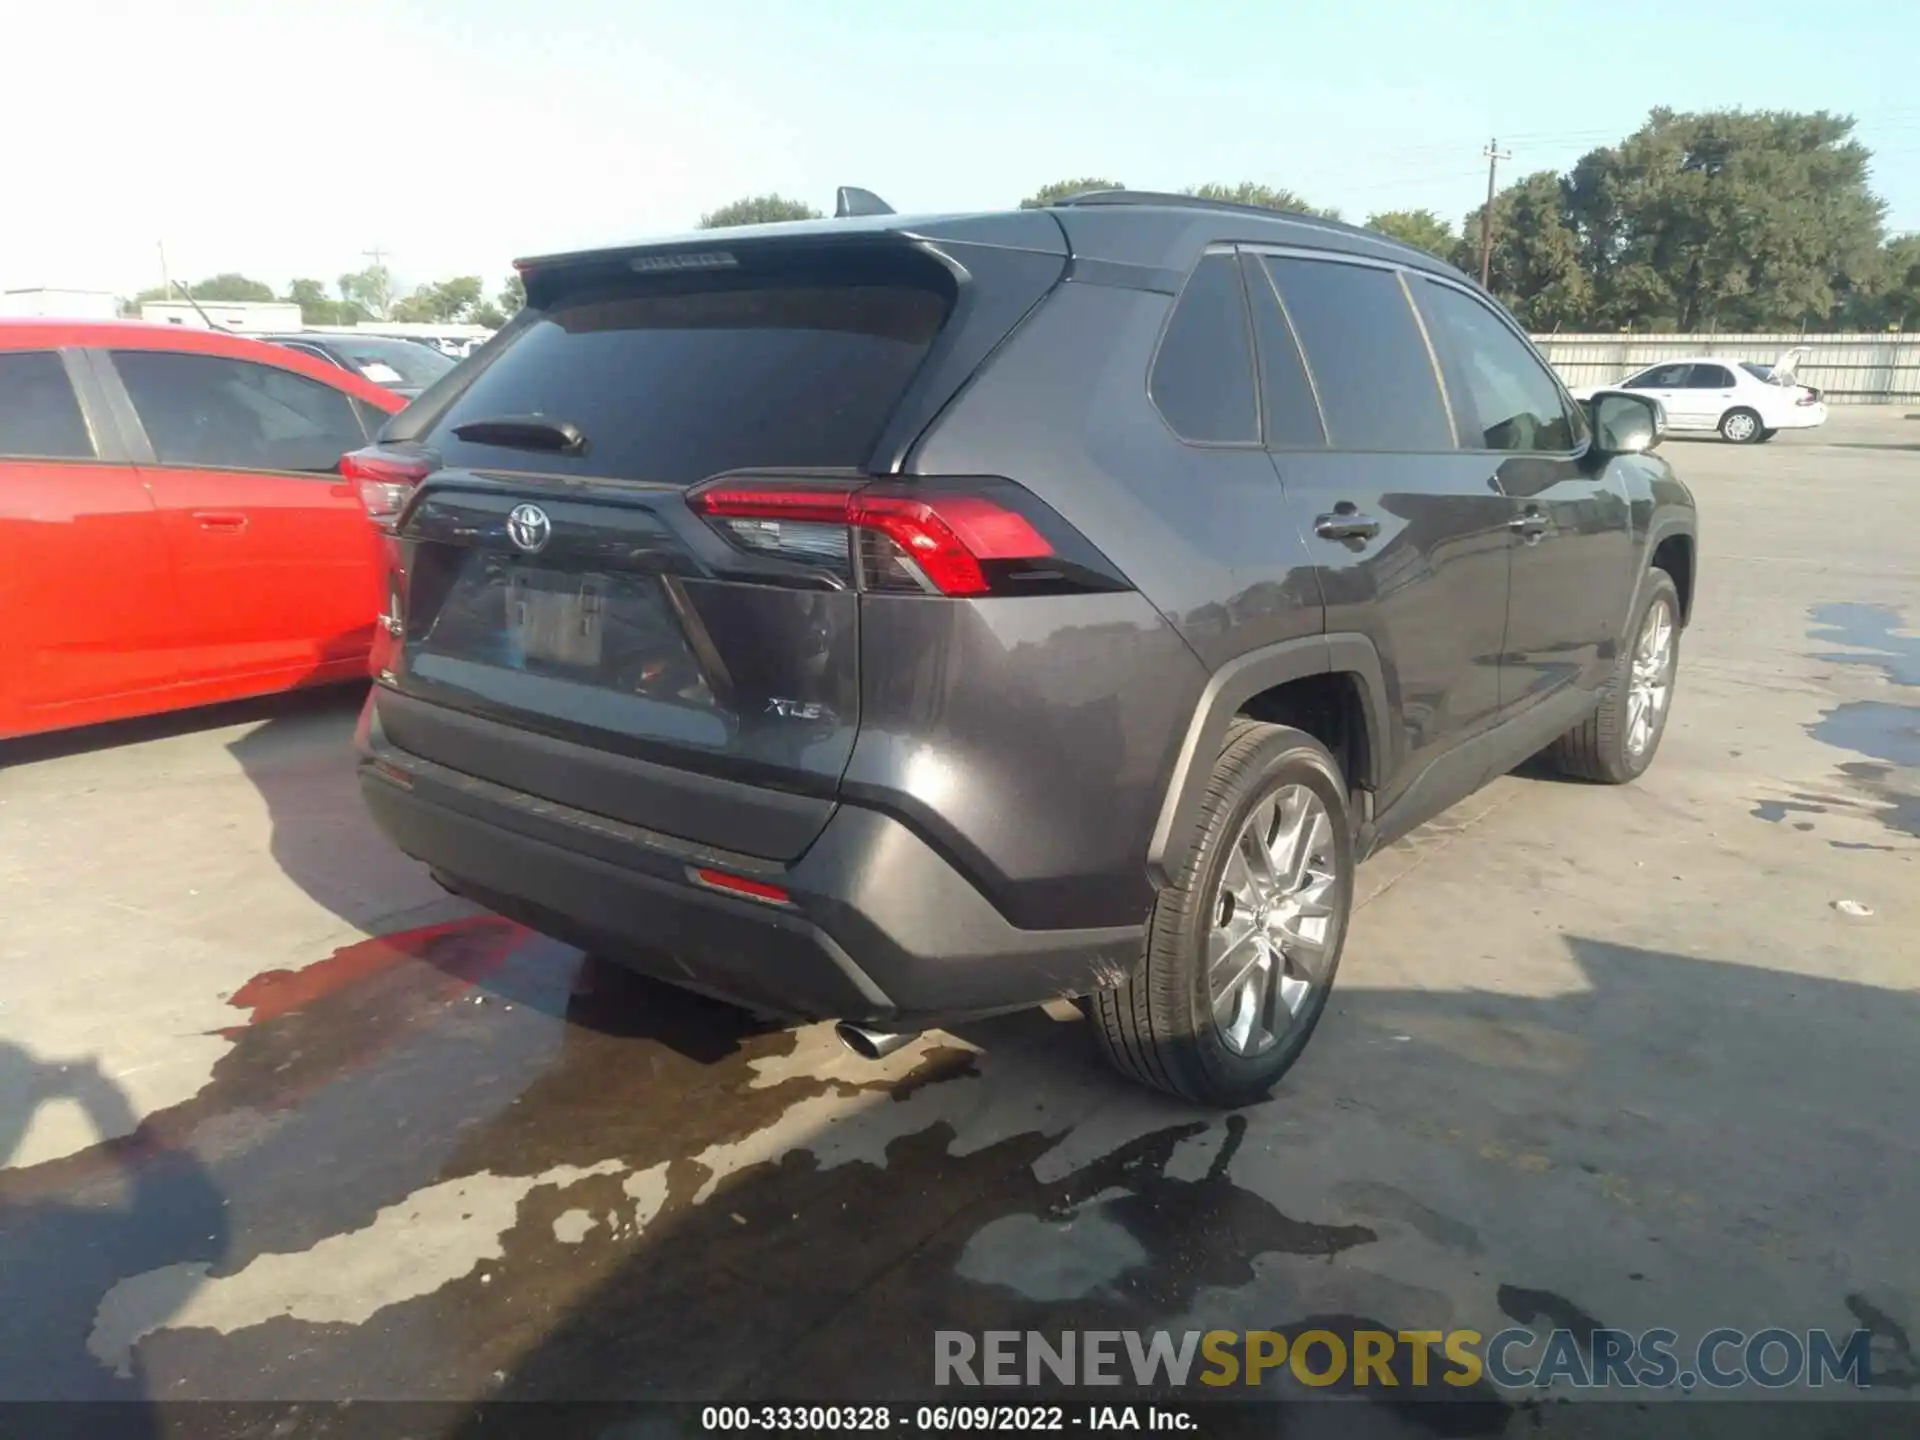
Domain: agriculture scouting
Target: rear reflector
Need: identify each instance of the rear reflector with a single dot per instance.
(740, 885)
(384, 480)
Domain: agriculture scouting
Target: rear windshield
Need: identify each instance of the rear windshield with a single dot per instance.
(677, 378)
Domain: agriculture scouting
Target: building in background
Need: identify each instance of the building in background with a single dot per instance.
(244, 317)
(47, 304)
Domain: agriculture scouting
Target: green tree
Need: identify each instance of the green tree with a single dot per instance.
(1061, 189)
(317, 307)
(442, 302)
(371, 290)
(1265, 196)
(758, 210)
(1421, 228)
(1886, 294)
(224, 286)
(1537, 268)
(1729, 219)
(513, 295)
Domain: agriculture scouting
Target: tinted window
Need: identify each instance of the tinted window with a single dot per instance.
(1710, 377)
(1203, 374)
(398, 363)
(1660, 377)
(39, 416)
(678, 379)
(233, 414)
(1759, 372)
(1510, 400)
(1370, 362)
(372, 417)
(1292, 414)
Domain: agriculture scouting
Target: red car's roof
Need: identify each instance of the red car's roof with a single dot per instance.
(137, 334)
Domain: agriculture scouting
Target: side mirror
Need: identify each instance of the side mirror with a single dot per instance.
(1625, 424)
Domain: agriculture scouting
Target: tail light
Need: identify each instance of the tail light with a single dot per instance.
(385, 479)
(959, 538)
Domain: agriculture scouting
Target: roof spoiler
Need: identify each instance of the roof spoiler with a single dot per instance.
(852, 200)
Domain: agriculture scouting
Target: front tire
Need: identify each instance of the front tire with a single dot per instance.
(1740, 426)
(1242, 949)
(1617, 742)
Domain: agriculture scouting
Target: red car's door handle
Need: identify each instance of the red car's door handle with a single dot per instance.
(220, 519)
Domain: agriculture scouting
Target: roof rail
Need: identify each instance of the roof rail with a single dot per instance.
(1201, 202)
(852, 200)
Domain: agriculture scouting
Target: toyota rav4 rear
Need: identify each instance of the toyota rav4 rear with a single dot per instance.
(687, 664)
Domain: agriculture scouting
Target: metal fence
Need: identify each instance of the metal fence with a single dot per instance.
(1863, 369)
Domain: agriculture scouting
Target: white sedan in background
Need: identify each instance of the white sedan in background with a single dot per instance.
(1745, 402)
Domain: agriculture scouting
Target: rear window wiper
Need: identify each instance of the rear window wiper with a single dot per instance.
(524, 432)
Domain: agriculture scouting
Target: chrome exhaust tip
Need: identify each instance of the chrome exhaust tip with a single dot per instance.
(872, 1044)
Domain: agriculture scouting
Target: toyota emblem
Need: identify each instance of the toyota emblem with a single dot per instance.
(529, 528)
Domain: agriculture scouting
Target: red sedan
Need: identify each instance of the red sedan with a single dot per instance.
(174, 529)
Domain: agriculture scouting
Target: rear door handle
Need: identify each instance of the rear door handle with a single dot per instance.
(1531, 525)
(220, 519)
(1346, 523)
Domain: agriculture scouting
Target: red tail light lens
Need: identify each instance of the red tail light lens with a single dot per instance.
(741, 885)
(384, 480)
(947, 537)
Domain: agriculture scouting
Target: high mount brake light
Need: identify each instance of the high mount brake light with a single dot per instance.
(384, 481)
(946, 538)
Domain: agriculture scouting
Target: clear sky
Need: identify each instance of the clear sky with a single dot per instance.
(286, 137)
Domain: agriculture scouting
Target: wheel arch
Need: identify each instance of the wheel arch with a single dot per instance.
(1274, 682)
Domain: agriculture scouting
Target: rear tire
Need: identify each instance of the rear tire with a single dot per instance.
(1617, 742)
(1766, 435)
(1241, 951)
(1740, 426)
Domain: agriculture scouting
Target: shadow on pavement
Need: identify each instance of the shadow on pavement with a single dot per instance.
(70, 1233)
(475, 1170)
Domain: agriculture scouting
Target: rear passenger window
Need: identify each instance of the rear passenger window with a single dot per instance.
(1292, 414)
(1510, 400)
(1202, 378)
(1370, 363)
(207, 410)
(1710, 377)
(39, 417)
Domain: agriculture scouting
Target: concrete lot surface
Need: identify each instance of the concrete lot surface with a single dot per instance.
(280, 1120)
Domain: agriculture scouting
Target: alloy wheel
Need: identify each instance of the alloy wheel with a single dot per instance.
(1650, 685)
(1267, 949)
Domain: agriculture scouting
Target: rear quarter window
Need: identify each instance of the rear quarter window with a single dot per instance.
(674, 379)
(1202, 376)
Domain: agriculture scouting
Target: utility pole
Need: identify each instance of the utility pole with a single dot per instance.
(166, 280)
(1494, 155)
(376, 254)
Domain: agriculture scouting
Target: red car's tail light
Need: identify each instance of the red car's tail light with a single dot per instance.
(384, 480)
(947, 537)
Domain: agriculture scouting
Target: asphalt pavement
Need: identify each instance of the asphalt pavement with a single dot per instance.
(280, 1120)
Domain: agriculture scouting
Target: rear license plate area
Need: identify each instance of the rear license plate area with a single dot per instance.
(556, 619)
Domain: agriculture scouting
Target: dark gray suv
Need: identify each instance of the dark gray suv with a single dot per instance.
(903, 620)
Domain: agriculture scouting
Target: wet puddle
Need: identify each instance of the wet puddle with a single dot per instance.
(1885, 734)
(1874, 632)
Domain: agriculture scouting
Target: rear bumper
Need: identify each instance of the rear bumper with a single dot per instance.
(881, 928)
(1802, 417)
